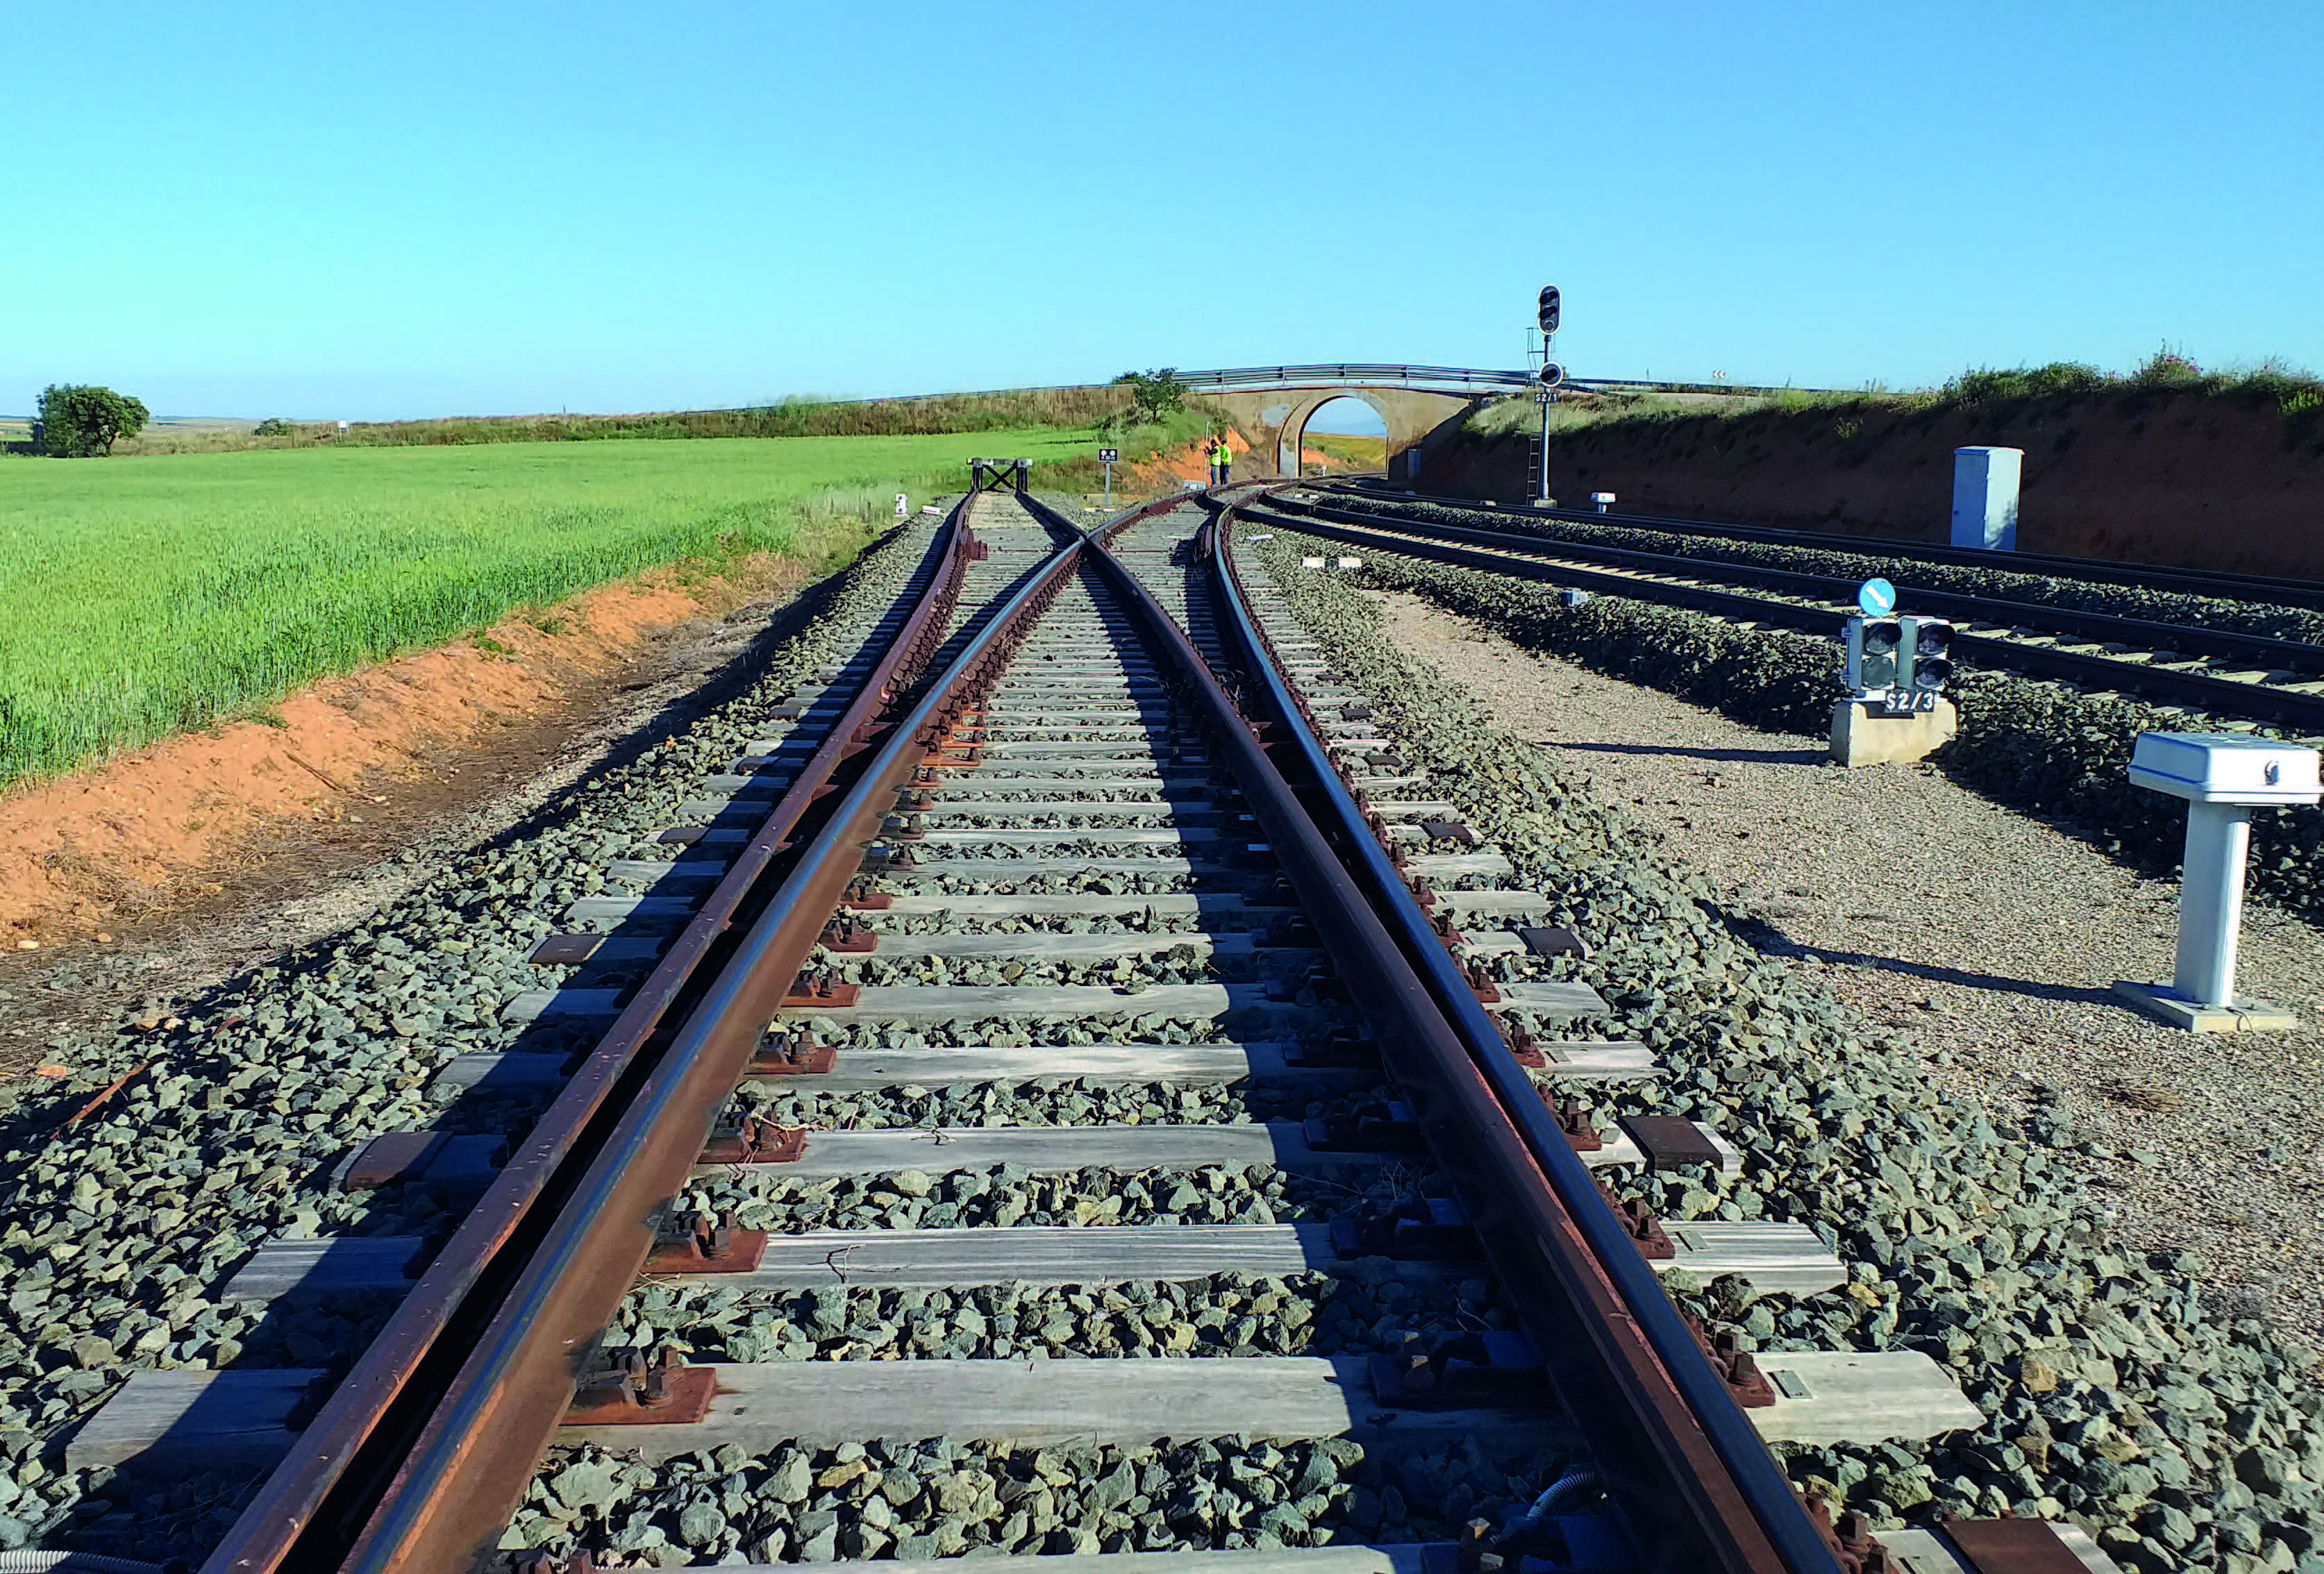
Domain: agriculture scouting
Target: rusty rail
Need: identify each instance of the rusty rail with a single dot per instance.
(1612, 1341)
(309, 1511)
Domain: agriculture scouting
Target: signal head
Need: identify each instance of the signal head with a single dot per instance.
(1549, 305)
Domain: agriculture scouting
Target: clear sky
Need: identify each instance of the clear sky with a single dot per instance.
(323, 210)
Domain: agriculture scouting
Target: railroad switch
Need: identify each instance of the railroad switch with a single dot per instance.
(1387, 1128)
(708, 1246)
(632, 1387)
(1422, 1228)
(1494, 1367)
(791, 1054)
(819, 987)
(845, 936)
(753, 1141)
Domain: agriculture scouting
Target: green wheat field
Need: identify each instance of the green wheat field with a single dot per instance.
(144, 596)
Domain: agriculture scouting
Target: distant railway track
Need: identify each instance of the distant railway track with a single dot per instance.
(2199, 581)
(2222, 671)
(1091, 815)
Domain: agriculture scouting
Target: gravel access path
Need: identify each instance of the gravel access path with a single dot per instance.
(1987, 939)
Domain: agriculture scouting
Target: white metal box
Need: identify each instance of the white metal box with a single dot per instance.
(2226, 767)
(1985, 497)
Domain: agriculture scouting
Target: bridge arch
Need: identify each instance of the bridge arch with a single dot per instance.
(1293, 441)
(1420, 406)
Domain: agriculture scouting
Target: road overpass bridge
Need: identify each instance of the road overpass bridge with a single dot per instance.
(1421, 406)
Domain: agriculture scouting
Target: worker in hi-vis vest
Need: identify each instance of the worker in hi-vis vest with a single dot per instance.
(1224, 458)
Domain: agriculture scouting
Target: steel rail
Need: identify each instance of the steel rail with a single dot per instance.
(2196, 690)
(470, 1469)
(479, 1445)
(1549, 1242)
(2146, 633)
(2216, 583)
(346, 1453)
(1707, 1447)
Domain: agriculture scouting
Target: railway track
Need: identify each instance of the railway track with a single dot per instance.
(2209, 584)
(2203, 667)
(1084, 1092)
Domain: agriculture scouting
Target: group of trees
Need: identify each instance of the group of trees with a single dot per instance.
(82, 421)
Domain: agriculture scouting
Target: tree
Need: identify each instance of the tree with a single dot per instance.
(79, 421)
(1152, 395)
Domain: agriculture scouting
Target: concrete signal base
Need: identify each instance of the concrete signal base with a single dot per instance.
(1861, 736)
(2168, 1005)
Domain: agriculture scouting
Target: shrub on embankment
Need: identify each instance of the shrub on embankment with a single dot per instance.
(2039, 747)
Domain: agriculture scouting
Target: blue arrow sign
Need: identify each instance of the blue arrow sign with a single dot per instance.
(1877, 597)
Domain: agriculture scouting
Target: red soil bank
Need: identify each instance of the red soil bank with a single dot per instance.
(2137, 475)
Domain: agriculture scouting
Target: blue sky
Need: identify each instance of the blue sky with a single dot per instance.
(368, 212)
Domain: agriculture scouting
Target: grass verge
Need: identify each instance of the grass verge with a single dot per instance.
(149, 596)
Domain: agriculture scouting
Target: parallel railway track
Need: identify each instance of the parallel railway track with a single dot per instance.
(1090, 817)
(2216, 584)
(2222, 671)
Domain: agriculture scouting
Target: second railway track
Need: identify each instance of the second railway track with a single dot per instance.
(1070, 1087)
(2240, 671)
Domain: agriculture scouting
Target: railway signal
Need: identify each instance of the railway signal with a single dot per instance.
(1901, 662)
(1550, 375)
(1873, 644)
(1923, 663)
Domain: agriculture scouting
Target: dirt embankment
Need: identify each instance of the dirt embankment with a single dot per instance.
(162, 828)
(2138, 474)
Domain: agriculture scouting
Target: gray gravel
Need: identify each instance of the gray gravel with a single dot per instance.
(939, 1498)
(2180, 1440)
(1221, 1315)
(1998, 981)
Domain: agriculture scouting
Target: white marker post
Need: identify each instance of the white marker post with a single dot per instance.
(2223, 777)
(1108, 457)
(903, 506)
